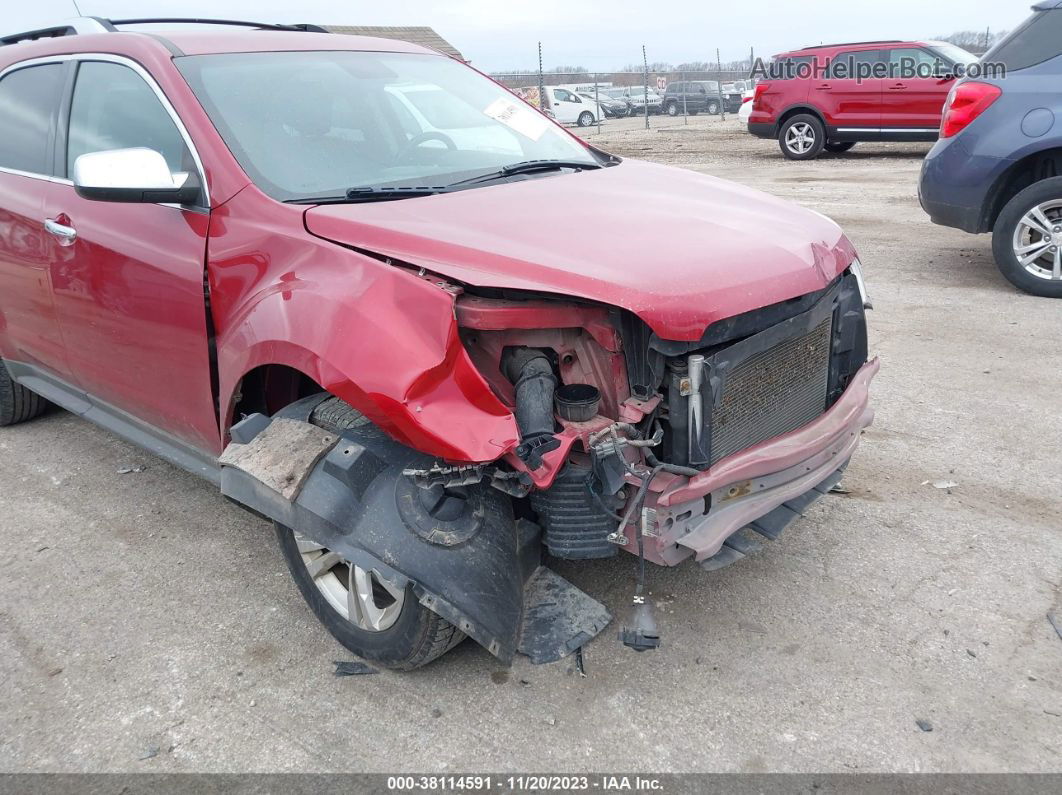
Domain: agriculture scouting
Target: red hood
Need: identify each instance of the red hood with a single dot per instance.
(679, 249)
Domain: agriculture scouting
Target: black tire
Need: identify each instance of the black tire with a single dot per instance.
(417, 636)
(17, 404)
(836, 147)
(713, 107)
(813, 126)
(671, 109)
(586, 118)
(1048, 190)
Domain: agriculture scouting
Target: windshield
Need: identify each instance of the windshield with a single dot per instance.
(315, 124)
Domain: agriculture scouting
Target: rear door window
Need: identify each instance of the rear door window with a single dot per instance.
(1036, 40)
(29, 103)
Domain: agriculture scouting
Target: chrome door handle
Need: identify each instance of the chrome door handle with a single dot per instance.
(65, 234)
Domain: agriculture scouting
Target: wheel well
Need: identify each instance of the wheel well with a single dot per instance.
(268, 389)
(796, 112)
(1027, 171)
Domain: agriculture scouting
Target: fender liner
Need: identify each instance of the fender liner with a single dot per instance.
(348, 493)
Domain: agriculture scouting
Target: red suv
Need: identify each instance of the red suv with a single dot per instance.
(360, 287)
(831, 96)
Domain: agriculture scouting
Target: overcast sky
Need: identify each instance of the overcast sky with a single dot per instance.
(502, 34)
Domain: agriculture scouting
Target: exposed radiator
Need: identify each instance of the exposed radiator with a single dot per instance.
(773, 392)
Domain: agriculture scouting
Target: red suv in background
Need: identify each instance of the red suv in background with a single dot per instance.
(831, 96)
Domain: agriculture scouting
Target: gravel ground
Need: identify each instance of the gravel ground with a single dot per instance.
(147, 625)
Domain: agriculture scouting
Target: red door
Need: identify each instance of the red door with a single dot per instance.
(909, 101)
(850, 96)
(128, 278)
(29, 331)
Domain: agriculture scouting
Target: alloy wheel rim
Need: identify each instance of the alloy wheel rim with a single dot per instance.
(1037, 241)
(362, 596)
(800, 138)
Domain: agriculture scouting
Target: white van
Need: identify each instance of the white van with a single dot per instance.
(569, 108)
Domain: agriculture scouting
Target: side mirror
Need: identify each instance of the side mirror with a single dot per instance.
(133, 175)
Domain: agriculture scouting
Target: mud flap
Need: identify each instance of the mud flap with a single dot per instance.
(480, 570)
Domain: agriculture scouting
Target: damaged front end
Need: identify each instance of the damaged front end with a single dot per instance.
(627, 441)
(675, 447)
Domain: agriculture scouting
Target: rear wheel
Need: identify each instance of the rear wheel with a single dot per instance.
(836, 147)
(802, 137)
(365, 611)
(586, 118)
(1027, 239)
(17, 404)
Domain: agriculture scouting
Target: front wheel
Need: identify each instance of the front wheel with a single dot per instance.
(17, 404)
(1027, 239)
(672, 109)
(802, 137)
(586, 118)
(367, 613)
(836, 147)
(713, 107)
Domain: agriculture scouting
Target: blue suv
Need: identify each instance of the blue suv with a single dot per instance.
(998, 164)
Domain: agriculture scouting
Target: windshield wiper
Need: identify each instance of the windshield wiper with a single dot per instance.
(375, 193)
(372, 193)
(527, 167)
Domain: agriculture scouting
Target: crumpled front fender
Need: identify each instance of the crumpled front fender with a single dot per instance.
(380, 337)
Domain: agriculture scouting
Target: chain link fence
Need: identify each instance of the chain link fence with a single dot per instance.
(656, 96)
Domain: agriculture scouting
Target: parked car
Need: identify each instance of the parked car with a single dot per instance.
(829, 97)
(635, 97)
(732, 96)
(692, 97)
(998, 164)
(612, 108)
(569, 108)
(745, 111)
(417, 361)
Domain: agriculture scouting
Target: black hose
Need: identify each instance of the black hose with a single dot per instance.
(674, 469)
(531, 372)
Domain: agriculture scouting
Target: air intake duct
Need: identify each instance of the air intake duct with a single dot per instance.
(531, 372)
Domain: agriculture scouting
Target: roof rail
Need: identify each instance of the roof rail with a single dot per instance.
(85, 25)
(72, 27)
(303, 27)
(853, 43)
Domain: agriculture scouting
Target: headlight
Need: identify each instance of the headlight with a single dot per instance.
(857, 270)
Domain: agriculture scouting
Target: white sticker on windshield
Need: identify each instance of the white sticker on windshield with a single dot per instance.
(516, 116)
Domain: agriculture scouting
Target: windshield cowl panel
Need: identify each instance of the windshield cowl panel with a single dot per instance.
(315, 123)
